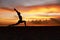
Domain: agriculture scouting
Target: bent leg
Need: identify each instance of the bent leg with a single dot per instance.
(24, 22)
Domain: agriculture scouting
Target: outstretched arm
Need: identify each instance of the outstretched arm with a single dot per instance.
(18, 13)
(15, 10)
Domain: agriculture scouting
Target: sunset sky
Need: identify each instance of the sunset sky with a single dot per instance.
(30, 9)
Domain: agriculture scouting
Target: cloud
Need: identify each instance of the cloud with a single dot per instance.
(14, 3)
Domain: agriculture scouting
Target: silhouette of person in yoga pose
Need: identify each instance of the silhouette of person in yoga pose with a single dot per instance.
(20, 18)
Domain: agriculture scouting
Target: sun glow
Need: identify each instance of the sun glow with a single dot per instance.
(35, 14)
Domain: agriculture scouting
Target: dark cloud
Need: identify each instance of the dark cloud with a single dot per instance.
(14, 3)
(5, 8)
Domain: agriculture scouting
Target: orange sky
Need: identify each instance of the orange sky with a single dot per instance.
(31, 13)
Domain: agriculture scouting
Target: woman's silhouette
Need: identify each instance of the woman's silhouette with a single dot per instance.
(20, 18)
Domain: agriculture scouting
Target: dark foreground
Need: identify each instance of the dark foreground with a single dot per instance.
(30, 33)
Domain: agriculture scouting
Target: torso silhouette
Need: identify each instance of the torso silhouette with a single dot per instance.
(19, 15)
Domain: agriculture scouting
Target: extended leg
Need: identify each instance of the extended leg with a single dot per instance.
(16, 23)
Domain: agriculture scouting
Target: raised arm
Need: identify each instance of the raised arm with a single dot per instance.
(15, 10)
(18, 13)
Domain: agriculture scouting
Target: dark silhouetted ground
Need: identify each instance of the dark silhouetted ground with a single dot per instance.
(29, 33)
